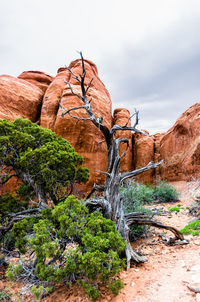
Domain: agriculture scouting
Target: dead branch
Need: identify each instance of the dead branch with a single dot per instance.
(125, 128)
(72, 91)
(19, 216)
(24, 212)
(99, 203)
(96, 188)
(74, 75)
(149, 166)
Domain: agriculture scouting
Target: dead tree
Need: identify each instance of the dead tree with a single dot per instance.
(111, 204)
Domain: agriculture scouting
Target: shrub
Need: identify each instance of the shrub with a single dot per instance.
(69, 245)
(192, 228)
(46, 163)
(115, 286)
(134, 197)
(5, 296)
(164, 192)
(10, 203)
(174, 209)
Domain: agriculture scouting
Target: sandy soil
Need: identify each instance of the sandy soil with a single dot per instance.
(169, 269)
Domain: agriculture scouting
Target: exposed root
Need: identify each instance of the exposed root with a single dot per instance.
(141, 221)
(132, 255)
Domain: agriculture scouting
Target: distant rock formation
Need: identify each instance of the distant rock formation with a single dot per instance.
(180, 147)
(36, 96)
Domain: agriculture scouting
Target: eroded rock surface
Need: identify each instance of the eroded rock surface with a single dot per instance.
(52, 98)
(180, 147)
(143, 154)
(38, 78)
(19, 98)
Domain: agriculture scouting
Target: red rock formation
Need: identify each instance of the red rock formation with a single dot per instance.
(180, 147)
(38, 78)
(19, 99)
(143, 151)
(52, 98)
(83, 135)
(157, 138)
(121, 116)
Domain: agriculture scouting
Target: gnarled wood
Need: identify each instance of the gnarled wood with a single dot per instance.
(111, 204)
(132, 219)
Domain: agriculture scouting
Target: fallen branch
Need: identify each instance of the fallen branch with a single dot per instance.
(140, 221)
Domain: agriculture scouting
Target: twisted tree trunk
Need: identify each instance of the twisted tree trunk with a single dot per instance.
(111, 204)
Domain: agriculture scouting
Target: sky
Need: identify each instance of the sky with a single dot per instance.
(147, 51)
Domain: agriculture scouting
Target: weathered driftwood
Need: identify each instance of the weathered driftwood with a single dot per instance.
(111, 204)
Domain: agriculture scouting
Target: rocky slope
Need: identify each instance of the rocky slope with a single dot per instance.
(36, 96)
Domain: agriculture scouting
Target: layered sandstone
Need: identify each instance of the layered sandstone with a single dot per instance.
(38, 78)
(19, 98)
(83, 135)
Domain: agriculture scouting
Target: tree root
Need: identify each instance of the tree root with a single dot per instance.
(131, 219)
(132, 255)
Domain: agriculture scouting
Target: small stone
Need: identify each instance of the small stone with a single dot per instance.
(136, 269)
(132, 284)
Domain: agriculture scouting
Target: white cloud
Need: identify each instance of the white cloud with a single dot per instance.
(147, 52)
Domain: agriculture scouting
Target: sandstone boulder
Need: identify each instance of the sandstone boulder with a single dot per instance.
(143, 151)
(38, 78)
(19, 98)
(180, 147)
(83, 135)
(52, 98)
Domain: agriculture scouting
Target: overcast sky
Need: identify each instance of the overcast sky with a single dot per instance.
(147, 51)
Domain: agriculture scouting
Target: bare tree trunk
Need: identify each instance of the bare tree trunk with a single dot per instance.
(111, 204)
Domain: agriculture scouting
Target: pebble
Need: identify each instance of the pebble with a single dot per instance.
(132, 284)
